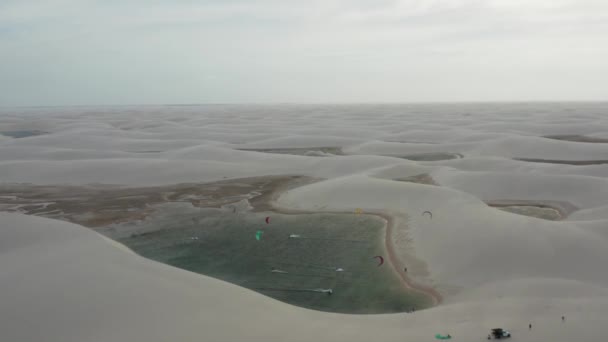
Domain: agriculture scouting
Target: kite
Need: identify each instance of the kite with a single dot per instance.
(430, 213)
(258, 235)
(358, 211)
(443, 337)
(381, 259)
(267, 219)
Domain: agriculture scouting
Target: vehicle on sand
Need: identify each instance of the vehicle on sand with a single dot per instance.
(499, 333)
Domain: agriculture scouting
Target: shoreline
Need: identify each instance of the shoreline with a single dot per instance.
(407, 282)
(394, 259)
(389, 223)
(261, 192)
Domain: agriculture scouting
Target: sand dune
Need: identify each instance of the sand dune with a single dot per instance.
(496, 164)
(492, 268)
(65, 283)
(466, 250)
(581, 191)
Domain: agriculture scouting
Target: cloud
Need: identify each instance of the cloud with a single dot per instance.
(80, 52)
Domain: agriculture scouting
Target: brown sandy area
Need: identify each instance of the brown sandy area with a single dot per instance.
(564, 208)
(101, 205)
(423, 178)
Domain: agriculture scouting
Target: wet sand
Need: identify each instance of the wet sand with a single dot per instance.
(102, 204)
(398, 267)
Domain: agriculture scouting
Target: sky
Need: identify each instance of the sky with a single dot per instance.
(107, 52)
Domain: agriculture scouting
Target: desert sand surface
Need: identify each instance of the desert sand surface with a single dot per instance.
(63, 282)
(490, 268)
(578, 138)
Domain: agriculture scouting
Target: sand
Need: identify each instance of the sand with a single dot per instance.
(62, 282)
(578, 138)
(101, 205)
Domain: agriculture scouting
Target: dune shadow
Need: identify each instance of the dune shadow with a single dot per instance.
(576, 138)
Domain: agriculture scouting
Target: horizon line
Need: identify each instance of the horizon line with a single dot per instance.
(261, 103)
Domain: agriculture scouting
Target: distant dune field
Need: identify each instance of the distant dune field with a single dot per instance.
(116, 169)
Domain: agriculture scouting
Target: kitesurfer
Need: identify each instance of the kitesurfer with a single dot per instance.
(380, 258)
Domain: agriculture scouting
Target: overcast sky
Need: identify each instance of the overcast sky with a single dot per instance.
(71, 52)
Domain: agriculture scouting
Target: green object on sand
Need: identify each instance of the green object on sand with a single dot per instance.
(442, 337)
(258, 235)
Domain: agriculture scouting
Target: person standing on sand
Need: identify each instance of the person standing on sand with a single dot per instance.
(563, 318)
(530, 326)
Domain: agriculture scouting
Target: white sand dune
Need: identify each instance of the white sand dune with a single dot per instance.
(507, 147)
(21, 152)
(94, 142)
(581, 191)
(597, 213)
(395, 148)
(542, 148)
(295, 141)
(498, 164)
(152, 171)
(62, 282)
(467, 243)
